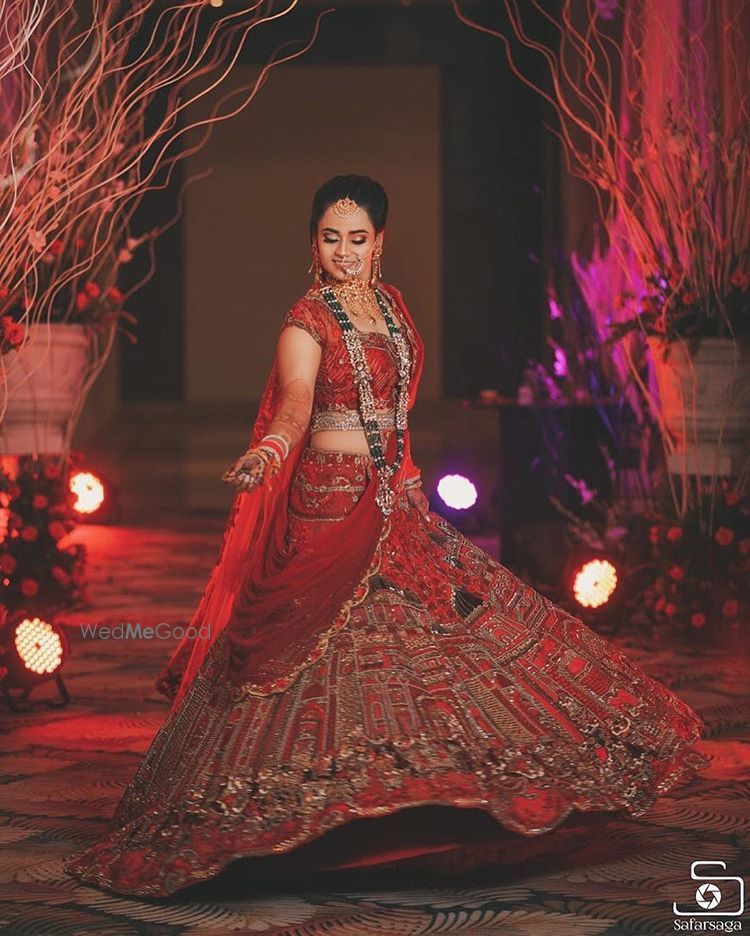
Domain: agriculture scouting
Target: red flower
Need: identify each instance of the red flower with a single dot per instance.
(731, 498)
(82, 300)
(741, 279)
(7, 564)
(51, 471)
(56, 530)
(653, 534)
(39, 501)
(29, 533)
(29, 587)
(698, 619)
(688, 297)
(670, 610)
(60, 575)
(55, 247)
(660, 602)
(13, 332)
(730, 607)
(724, 536)
(92, 289)
(677, 573)
(115, 295)
(673, 534)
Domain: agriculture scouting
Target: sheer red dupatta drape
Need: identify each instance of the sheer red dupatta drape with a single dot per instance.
(277, 613)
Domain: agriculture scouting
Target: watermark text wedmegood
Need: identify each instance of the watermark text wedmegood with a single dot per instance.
(129, 630)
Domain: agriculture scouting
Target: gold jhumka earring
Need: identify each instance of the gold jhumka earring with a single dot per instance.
(316, 265)
(375, 271)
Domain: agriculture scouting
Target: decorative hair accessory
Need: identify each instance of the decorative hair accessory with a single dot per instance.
(343, 207)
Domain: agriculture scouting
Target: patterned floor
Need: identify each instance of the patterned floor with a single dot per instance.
(63, 770)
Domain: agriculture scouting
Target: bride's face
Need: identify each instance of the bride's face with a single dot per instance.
(346, 244)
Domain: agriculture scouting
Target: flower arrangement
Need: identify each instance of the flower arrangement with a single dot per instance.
(663, 140)
(700, 581)
(686, 575)
(36, 514)
(11, 334)
(87, 133)
(671, 309)
(92, 299)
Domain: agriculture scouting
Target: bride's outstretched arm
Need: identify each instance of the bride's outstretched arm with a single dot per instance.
(299, 356)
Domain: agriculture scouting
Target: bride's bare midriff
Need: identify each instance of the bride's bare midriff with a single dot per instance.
(352, 441)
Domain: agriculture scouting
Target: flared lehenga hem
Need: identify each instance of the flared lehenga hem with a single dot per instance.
(454, 684)
(165, 841)
(142, 858)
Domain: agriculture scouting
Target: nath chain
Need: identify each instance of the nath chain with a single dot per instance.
(385, 497)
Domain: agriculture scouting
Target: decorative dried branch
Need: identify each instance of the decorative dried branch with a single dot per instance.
(80, 142)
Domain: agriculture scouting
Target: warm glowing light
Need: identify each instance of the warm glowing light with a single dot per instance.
(457, 491)
(594, 583)
(38, 646)
(216, 3)
(89, 492)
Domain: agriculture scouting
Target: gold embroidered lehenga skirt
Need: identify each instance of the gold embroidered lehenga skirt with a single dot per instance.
(453, 684)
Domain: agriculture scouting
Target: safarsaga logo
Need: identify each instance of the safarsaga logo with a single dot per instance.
(717, 898)
(128, 630)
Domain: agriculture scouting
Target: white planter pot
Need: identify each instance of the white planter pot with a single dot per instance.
(42, 383)
(705, 402)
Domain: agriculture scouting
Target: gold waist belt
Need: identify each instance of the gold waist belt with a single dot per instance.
(349, 419)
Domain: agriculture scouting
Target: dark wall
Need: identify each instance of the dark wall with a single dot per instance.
(496, 195)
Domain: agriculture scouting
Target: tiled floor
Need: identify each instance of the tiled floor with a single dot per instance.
(63, 770)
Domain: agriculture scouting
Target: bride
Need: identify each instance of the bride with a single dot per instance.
(353, 655)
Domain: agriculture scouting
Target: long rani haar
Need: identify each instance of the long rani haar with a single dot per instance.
(363, 378)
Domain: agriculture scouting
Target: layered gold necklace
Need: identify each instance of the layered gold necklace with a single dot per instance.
(358, 297)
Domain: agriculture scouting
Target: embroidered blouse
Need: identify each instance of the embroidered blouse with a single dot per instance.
(335, 387)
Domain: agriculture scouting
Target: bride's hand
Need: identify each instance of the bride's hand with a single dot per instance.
(417, 498)
(246, 473)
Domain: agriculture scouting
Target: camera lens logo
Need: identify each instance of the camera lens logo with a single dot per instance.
(708, 896)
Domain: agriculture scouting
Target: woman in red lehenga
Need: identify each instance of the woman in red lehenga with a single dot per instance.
(353, 654)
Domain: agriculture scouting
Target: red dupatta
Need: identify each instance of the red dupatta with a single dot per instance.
(279, 614)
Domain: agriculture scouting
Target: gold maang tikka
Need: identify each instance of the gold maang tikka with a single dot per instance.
(343, 207)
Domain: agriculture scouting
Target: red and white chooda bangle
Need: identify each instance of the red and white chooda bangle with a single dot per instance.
(275, 444)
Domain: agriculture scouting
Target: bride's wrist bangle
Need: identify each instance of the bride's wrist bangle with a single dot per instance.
(274, 448)
(413, 482)
(271, 462)
(274, 438)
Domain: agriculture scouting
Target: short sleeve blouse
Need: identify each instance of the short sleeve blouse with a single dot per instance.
(335, 387)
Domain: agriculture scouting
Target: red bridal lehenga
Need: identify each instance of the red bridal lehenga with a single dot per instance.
(348, 663)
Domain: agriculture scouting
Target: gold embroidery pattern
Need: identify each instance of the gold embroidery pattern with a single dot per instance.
(348, 419)
(293, 318)
(398, 713)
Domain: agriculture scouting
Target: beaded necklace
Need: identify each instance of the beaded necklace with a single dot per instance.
(363, 378)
